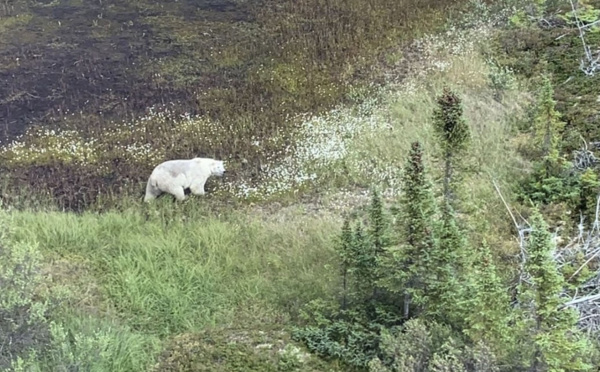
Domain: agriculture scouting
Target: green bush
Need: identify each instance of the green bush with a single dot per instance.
(24, 328)
(351, 336)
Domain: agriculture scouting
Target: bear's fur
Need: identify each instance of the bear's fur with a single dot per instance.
(174, 176)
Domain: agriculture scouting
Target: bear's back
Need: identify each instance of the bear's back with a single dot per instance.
(176, 166)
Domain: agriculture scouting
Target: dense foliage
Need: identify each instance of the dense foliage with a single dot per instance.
(447, 309)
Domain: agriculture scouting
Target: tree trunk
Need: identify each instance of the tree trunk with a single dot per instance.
(448, 177)
(345, 290)
(406, 304)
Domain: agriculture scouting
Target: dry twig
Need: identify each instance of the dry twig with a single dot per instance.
(585, 246)
(591, 64)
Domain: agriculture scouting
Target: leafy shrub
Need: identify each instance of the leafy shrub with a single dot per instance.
(502, 78)
(587, 15)
(23, 318)
(418, 346)
(82, 343)
(347, 335)
(205, 352)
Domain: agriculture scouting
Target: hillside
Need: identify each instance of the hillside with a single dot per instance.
(412, 186)
(238, 70)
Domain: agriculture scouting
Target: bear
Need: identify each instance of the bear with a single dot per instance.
(174, 176)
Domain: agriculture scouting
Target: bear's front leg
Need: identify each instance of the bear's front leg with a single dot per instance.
(198, 188)
(178, 193)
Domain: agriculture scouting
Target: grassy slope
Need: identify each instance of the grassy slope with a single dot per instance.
(138, 281)
(173, 276)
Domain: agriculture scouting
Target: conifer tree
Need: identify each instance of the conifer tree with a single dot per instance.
(360, 252)
(453, 134)
(345, 253)
(379, 239)
(363, 265)
(589, 186)
(446, 301)
(487, 320)
(558, 346)
(417, 208)
(378, 224)
(547, 125)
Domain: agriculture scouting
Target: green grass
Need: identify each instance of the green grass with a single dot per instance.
(167, 276)
(132, 283)
(94, 344)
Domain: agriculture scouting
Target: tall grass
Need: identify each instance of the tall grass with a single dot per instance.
(88, 343)
(167, 276)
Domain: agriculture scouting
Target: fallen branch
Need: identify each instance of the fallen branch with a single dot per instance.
(523, 277)
(592, 64)
(582, 299)
(505, 204)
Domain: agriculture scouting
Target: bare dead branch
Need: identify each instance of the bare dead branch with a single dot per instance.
(521, 231)
(586, 299)
(583, 299)
(591, 64)
(584, 158)
(505, 204)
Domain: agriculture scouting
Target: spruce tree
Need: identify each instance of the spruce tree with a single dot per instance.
(448, 258)
(552, 179)
(363, 265)
(589, 186)
(547, 125)
(487, 320)
(417, 209)
(558, 346)
(346, 257)
(378, 224)
(379, 239)
(360, 251)
(453, 134)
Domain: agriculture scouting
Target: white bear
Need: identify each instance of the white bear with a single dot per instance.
(174, 176)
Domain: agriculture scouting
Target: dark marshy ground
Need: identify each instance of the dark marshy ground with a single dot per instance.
(238, 69)
(111, 60)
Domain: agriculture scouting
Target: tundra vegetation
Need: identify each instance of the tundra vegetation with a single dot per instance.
(413, 186)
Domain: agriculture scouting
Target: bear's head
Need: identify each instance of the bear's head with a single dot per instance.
(217, 168)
